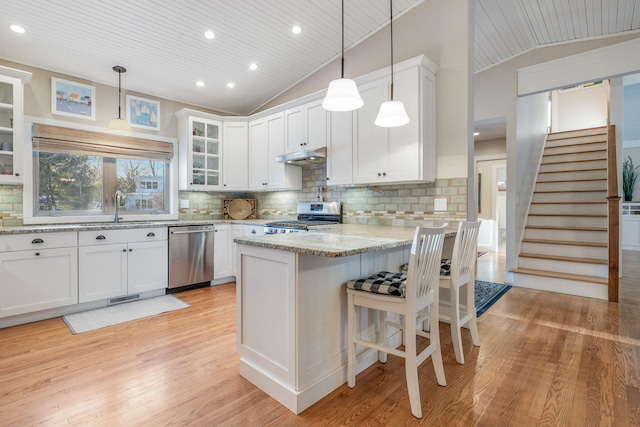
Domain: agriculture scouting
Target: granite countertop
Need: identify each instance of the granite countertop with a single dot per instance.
(339, 240)
(121, 225)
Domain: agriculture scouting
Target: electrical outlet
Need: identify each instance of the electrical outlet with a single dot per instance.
(439, 204)
(184, 204)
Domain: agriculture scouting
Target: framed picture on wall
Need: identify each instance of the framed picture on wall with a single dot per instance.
(73, 99)
(143, 113)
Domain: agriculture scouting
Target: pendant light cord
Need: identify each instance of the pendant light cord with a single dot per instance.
(391, 30)
(342, 57)
(119, 92)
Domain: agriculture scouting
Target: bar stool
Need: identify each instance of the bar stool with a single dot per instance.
(407, 295)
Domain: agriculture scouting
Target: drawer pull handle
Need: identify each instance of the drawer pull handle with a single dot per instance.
(34, 241)
(151, 234)
(253, 231)
(101, 237)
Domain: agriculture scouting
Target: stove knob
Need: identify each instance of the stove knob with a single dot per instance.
(283, 231)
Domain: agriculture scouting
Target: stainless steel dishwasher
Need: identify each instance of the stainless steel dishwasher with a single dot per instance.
(190, 255)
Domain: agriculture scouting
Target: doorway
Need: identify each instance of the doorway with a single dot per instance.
(491, 176)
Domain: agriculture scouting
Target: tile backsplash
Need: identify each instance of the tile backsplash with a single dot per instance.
(398, 205)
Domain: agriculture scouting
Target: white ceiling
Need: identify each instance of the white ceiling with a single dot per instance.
(161, 42)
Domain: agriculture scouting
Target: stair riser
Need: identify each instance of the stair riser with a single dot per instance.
(585, 269)
(573, 166)
(578, 134)
(571, 175)
(565, 250)
(568, 221)
(574, 157)
(560, 208)
(595, 185)
(582, 197)
(571, 287)
(559, 149)
(566, 235)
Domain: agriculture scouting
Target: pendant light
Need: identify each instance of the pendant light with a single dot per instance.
(342, 94)
(119, 125)
(392, 113)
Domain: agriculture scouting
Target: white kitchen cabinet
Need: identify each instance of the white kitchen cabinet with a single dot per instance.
(630, 235)
(121, 262)
(306, 126)
(199, 152)
(38, 271)
(11, 124)
(236, 231)
(235, 156)
(405, 153)
(249, 230)
(222, 251)
(266, 141)
(340, 149)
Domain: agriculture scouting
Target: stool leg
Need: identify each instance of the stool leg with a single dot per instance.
(411, 368)
(352, 319)
(382, 335)
(455, 324)
(471, 306)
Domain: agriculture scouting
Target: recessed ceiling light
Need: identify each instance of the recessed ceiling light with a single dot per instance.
(209, 34)
(296, 29)
(231, 85)
(199, 83)
(253, 66)
(17, 28)
(476, 133)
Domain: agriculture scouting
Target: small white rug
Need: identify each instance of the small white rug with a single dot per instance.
(121, 313)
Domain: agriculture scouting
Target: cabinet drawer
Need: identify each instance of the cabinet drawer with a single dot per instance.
(252, 230)
(28, 241)
(107, 237)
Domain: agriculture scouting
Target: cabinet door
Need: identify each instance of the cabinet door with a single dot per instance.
(102, 272)
(205, 154)
(147, 266)
(10, 130)
(404, 151)
(370, 140)
(295, 138)
(222, 254)
(317, 125)
(236, 232)
(235, 156)
(340, 149)
(275, 140)
(258, 152)
(37, 280)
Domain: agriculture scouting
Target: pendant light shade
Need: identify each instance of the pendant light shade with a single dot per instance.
(119, 125)
(342, 94)
(392, 113)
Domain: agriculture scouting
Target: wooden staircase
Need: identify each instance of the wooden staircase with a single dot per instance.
(565, 242)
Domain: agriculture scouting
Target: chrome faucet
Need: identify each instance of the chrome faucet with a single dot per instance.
(116, 204)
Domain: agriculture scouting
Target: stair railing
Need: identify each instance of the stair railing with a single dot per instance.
(613, 199)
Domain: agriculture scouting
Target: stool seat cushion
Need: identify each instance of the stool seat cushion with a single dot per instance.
(445, 267)
(384, 283)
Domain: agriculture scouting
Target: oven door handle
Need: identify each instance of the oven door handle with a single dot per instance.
(192, 231)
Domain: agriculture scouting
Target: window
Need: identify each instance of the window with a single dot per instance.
(76, 175)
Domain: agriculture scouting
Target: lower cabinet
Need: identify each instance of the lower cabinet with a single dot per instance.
(236, 232)
(119, 262)
(222, 255)
(38, 271)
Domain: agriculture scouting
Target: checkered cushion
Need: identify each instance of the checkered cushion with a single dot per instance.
(445, 267)
(384, 282)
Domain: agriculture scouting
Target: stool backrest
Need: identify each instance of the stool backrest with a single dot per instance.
(465, 252)
(424, 264)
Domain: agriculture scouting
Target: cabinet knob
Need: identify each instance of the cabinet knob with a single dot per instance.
(37, 253)
(384, 174)
(100, 237)
(253, 231)
(151, 234)
(327, 178)
(130, 250)
(124, 250)
(17, 174)
(379, 174)
(34, 241)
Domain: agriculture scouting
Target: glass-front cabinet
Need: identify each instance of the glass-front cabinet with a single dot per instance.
(10, 129)
(200, 153)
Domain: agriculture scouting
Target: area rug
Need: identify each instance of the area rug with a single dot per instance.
(487, 293)
(121, 313)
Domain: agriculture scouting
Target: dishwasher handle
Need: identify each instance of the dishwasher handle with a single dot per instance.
(193, 231)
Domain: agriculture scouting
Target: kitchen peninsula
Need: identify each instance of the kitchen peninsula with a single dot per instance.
(291, 305)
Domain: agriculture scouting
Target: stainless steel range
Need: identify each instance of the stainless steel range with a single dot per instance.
(310, 215)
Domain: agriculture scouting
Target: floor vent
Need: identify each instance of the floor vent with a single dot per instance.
(126, 298)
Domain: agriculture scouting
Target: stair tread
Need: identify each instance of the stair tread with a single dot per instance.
(573, 152)
(556, 227)
(570, 180)
(569, 215)
(564, 258)
(575, 170)
(593, 190)
(565, 242)
(573, 161)
(567, 276)
(567, 203)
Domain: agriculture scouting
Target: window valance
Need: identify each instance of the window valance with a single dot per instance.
(74, 141)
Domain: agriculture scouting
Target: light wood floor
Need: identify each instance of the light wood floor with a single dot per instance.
(546, 359)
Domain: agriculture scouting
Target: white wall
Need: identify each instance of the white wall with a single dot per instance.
(580, 107)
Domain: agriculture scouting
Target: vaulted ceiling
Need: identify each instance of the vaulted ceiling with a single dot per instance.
(162, 43)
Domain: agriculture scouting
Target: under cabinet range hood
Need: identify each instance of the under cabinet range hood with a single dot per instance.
(305, 157)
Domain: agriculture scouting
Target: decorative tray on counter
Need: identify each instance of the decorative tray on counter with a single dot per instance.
(239, 209)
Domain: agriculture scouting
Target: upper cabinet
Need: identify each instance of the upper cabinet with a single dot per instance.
(235, 149)
(200, 153)
(405, 153)
(340, 148)
(266, 141)
(306, 127)
(11, 124)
